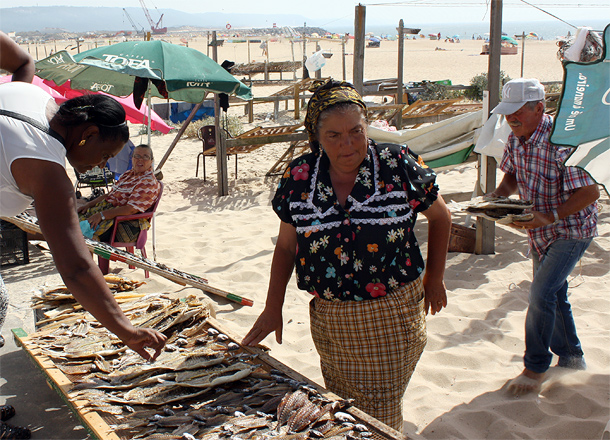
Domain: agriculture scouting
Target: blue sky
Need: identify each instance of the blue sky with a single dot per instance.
(413, 11)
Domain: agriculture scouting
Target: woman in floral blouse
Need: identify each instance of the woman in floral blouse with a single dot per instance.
(347, 214)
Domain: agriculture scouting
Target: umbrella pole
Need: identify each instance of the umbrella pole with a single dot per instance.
(149, 111)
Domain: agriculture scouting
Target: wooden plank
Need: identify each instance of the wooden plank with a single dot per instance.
(295, 149)
(266, 139)
(114, 254)
(57, 380)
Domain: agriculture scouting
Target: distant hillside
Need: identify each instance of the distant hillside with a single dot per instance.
(83, 19)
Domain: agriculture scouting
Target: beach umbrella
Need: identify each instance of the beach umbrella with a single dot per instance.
(178, 72)
(132, 114)
(511, 40)
(583, 114)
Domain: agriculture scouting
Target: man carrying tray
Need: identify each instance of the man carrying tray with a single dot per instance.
(564, 224)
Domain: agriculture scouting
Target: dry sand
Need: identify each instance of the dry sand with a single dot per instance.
(475, 345)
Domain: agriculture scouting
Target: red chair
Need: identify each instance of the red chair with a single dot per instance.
(103, 263)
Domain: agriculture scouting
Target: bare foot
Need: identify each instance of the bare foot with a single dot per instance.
(526, 382)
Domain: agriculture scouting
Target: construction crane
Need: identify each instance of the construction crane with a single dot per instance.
(155, 28)
(138, 31)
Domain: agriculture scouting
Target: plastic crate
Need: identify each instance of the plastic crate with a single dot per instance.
(13, 245)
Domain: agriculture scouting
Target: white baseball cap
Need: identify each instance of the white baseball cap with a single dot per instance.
(517, 92)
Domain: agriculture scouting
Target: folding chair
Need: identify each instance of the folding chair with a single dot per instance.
(140, 243)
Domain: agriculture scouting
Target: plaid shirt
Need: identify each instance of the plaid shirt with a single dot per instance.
(544, 179)
(140, 191)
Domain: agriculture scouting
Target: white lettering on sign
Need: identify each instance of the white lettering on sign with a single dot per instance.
(579, 97)
(197, 84)
(605, 97)
(130, 62)
(72, 67)
(101, 87)
(56, 59)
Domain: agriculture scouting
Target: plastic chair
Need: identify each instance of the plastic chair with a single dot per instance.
(140, 244)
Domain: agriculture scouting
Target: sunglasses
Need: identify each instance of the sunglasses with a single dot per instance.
(137, 156)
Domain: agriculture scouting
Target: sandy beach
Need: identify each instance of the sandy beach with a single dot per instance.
(475, 345)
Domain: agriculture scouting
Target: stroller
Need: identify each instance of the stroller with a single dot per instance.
(97, 179)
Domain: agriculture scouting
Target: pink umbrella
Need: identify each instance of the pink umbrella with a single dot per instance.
(64, 92)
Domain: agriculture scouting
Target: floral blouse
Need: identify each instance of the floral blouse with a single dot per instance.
(367, 248)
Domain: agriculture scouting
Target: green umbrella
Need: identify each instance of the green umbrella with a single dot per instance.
(185, 73)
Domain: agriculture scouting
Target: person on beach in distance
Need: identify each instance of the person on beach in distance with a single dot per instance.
(347, 214)
(136, 191)
(564, 224)
(35, 139)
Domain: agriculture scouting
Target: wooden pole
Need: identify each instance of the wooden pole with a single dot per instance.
(294, 72)
(319, 71)
(399, 78)
(305, 72)
(343, 40)
(249, 58)
(221, 147)
(359, 22)
(486, 229)
(522, 51)
(207, 44)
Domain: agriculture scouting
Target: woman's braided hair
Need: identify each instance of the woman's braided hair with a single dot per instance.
(101, 110)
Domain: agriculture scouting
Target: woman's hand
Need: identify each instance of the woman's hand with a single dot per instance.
(267, 322)
(83, 208)
(143, 338)
(95, 220)
(435, 296)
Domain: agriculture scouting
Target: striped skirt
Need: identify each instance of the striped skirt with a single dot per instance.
(369, 349)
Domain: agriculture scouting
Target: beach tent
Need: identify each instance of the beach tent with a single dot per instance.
(443, 143)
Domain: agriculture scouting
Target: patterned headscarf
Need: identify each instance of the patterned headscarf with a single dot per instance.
(326, 94)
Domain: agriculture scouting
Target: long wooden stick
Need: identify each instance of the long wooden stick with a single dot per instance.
(111, 253)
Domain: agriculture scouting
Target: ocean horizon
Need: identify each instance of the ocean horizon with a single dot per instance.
(547, 30)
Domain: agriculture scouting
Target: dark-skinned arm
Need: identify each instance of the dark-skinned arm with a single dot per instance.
(439, 230)
(281, 270)
(15, 60)
(55, 203)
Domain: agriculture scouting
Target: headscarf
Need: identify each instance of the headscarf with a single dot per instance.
(326, 94)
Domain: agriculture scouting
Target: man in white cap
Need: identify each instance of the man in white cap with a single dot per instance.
(564, 224)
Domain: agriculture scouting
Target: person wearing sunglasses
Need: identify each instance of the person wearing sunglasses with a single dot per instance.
(135, 192)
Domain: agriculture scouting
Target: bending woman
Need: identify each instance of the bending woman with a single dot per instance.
(347, 214)
(136, 191)
(37, 138)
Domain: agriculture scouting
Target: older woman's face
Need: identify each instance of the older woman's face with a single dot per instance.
(342, 135)
(141, 160)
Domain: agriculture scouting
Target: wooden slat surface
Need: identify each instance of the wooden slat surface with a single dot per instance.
(98, 424)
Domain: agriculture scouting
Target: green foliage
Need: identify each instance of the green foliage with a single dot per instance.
(434, 91)
(478, 85)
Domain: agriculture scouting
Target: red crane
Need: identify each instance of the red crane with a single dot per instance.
(155, 28)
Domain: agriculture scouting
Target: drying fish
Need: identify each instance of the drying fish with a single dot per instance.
(288, 404)
(219, 376)
(500, 209)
